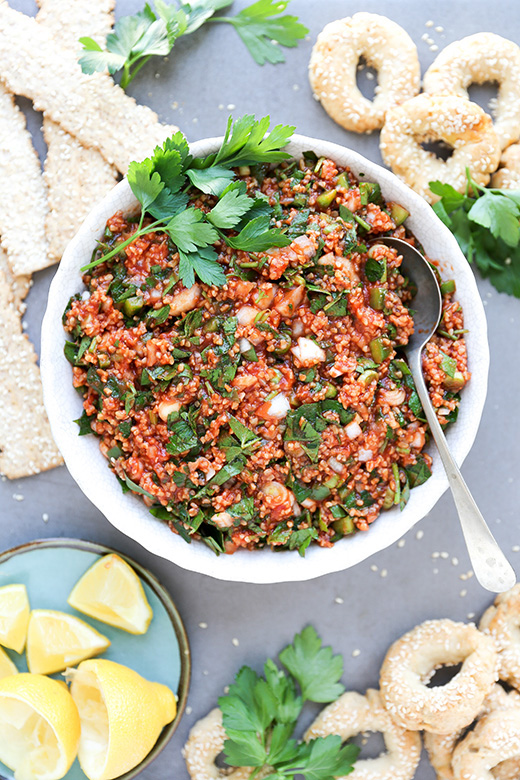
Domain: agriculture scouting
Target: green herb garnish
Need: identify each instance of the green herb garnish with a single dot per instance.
(260, 714)
(486, 225)
(161, 184)
(153, 32)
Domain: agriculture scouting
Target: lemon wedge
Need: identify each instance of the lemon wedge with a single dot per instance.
(121, 715)
(56, 640)
(111, 591)
(14, 616)
(39, 727)
(6, 665)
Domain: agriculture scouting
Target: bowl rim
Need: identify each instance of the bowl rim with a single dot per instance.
(168, 604)
(318, 561)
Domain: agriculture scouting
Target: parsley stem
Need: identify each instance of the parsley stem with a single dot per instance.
(122, 245)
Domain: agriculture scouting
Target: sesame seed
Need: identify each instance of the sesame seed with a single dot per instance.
(45, 517)
(444, 555)
(454, 561)
(203, 625)
(384, 572)
(463, 593)
(18, 497)
(355, 653)
(373, 567)
(230, 106)
(401, 543)
(419, 535)
(515, 548)
(338, 600)
(439, 29)
(429, 23)
(470, 615)
(235, 642)
(188, 710)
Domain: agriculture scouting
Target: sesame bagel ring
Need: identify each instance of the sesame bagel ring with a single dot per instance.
(385, 46)
(502, 621)
(440, 747)
(475, 60)
(410, 663)
(353, 714)
(494, 740)
(205, 743)
(461, 124)
(508, 175)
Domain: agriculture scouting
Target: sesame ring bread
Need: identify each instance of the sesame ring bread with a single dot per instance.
(475, 60)
(353, 714)
(508, 175)
(502, 621)
(461, 124)
(205, 743)
(385, 46)
(440, 747)
(494, 740)
(410, 663)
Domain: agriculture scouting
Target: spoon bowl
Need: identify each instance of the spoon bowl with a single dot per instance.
(492, 569)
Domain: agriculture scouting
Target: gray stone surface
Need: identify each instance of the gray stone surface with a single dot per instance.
(388, 594)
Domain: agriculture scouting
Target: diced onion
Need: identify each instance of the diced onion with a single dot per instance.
(335, 465)
(85, 295)
(278, 406)
(246, 315)
(222, 519)
(244, 345)
(364, 455)
(307, 351)
(394, 397)
(297, 328)
(353, 430)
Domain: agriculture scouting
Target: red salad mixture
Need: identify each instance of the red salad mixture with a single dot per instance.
(276, 409)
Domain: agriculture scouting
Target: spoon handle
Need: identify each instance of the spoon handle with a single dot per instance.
(491, 567)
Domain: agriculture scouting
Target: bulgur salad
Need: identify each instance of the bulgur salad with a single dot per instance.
(239, 345)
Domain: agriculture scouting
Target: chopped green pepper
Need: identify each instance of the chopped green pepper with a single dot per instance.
(325, 199)
(380, 351)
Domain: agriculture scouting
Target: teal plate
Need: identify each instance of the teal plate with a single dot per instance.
(50, 568)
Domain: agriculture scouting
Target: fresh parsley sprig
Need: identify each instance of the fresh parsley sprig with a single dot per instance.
(260, 714)
(152, 32)
(162, 184)
(486, 223)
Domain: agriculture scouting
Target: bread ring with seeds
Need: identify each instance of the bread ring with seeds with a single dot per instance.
(440, 747)
(502, 621)
(353, 714)
(508, 175)
(475, 60)
(461, 124)
(494, 740)
(205, 743)
(412, 660)
(385, 46)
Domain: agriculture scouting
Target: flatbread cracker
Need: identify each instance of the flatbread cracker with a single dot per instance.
(26, 445)
(92, 108)
(77, 177)
(23, 196)
(20, 285)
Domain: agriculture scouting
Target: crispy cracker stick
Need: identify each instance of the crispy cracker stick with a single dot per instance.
(26, 445)
(92, 108)
(20, 285)
(23, 197)
(77, 177)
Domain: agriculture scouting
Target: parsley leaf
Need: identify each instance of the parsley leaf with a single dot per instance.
(261, 32)
(153, 32)
(257, 237)
(486, 225)
(315, 668)
(326, 758)
(230, 208)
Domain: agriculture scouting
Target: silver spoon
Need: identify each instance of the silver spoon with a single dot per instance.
(490, 565)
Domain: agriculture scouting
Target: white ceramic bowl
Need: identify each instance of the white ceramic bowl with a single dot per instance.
(128, 513)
